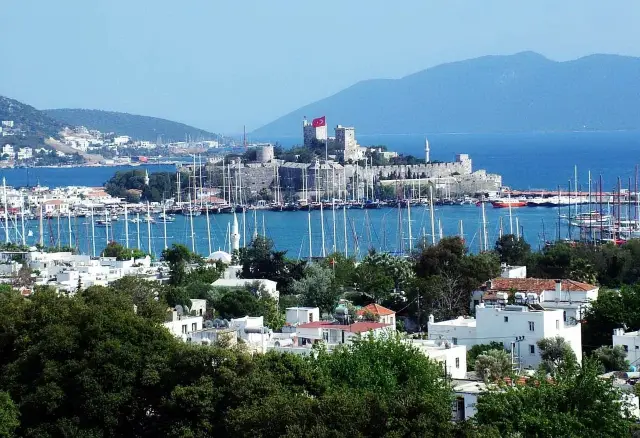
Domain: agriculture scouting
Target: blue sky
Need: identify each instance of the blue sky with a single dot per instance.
(220, 64)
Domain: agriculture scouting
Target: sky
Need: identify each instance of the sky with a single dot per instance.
(223, 64)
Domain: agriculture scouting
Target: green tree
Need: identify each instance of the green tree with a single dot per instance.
(114, 249)
(612, 358)
(149, 297)
(557, 355)
(317, 288)
(9, 415)
(493, 365)
(512, 250)
(178, 257)
(379, 274)
(477, 350)
(260, 260)
(576, 403)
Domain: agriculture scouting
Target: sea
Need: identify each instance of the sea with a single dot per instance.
(526, 161)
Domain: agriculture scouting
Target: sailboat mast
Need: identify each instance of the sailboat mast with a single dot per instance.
(149, 227)
(206, 210)
(93, 230)
(126, 226)
(310, 243)
(344, 220)
(69, 226)
(6, 210)
(517, 229)
(333, 211)
(138, 230)
(24, 238)
(324, 251)
(484, 229)
(510, 217)
(164, 224)
(433, 229)
(409, 222)
(193, 241)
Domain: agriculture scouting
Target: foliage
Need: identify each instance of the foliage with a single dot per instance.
(493, 365)
(343, 269)
(317, 288)
(557, 355)
(114, 249)
(610, 311)
(477, 350)
(576, 403)
(379, 274)
(260, 260)
(162, 185)
(513, 251)
(149, 297)
(252, 300)
(446, 277)
(612, 358)
(178, 256)
(8, 416)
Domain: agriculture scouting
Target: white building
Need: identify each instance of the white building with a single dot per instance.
(25, 153)
(380, 313)
(182, 325)
(572, 297)
(630, 342)
(507, 271)
(7, 149)
(453, 358)
(121, 139)
(7, 123)
(302, 315)
(506, 325)
(251, 330)
(333, 333)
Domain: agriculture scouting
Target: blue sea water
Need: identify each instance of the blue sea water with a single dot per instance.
(537, 160)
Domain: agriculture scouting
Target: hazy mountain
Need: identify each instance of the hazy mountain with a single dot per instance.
(516, 93)
(30, 121)
(138, 127)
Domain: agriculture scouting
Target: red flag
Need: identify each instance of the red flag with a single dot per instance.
(320, 121)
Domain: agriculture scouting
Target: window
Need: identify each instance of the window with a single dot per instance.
(557, 324)
(637, 347)
(454, 341)
(194, 327)
(506, 319)
(184, 328)
(626, 348)
(564, 315)
(310, 317)
(532, 349)
(532, 326)
(457, 362)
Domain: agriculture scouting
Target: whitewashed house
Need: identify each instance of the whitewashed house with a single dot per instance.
(516, 326)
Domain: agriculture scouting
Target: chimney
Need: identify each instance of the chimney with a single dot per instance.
(558, 286)
(431, 319)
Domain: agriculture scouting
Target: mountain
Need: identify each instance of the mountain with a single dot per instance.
(516, 93)
(27, 119)
(137, 127)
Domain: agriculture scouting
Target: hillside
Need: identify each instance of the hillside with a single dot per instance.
(138, 127)
(28, 120)
(517, 93)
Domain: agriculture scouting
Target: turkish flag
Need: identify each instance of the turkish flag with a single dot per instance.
(320, 121)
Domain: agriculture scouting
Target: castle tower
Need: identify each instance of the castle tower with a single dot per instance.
(235, 234)
(427, 151)
(146, 178)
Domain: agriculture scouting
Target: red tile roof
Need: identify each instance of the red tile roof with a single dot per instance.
(356, 327)
(535, 285)
(376, 310)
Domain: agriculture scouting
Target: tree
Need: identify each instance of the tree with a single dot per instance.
(493, 365)
(317, 288)
(178, 256)
(259, 260)
(612, 358)
(556, 355)
(477, 350)
(575, 403)
(512, 250)
(379, 274)
(23, 277)
(149, 297)
(114, 249)
(8, 416)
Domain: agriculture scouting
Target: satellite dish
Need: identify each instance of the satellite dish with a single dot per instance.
(208, 323)
(179, 310)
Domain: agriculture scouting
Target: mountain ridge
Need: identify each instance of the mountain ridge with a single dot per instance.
(136, 126)
(495, 93)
